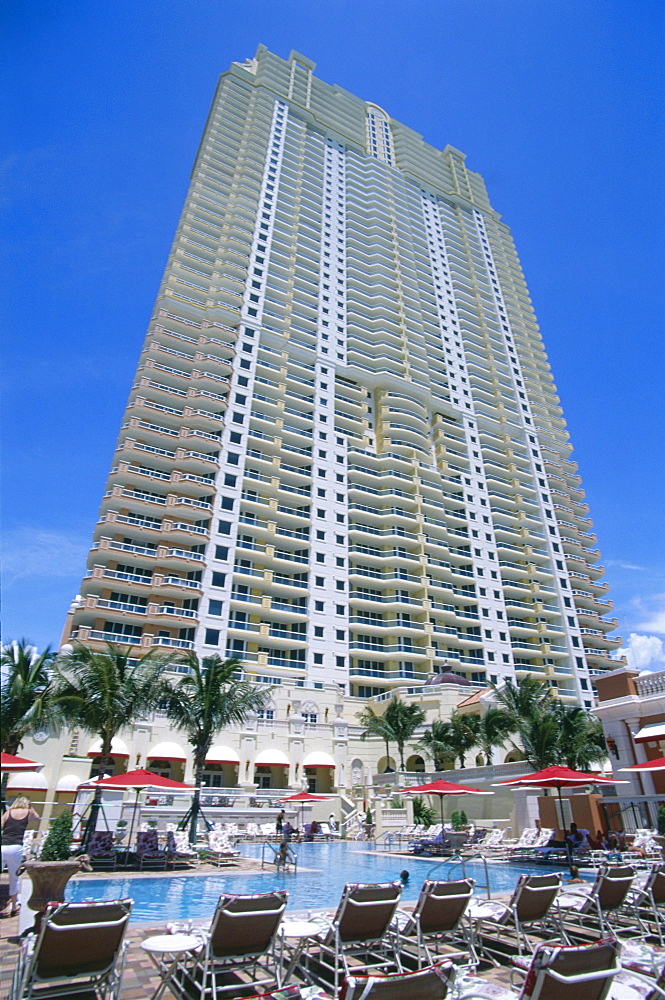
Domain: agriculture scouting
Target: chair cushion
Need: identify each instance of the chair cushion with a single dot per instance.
(431, 983)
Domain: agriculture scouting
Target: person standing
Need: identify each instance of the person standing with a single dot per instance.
(14, 824)
(279, 822)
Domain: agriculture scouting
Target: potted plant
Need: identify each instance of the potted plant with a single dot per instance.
(368, 825)
(458, 834)
(51, 873)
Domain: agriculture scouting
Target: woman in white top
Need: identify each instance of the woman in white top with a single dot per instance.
(14, 824)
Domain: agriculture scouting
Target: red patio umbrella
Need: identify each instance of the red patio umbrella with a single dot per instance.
(11, 763)
(138, 779)
(443, 788)
(648, 765)
(302, 798)
(557, 776)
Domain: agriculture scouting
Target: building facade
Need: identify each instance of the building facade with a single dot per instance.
(343, 459)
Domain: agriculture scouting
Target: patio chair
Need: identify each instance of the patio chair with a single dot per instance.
(529, 906)
(439, 917)
(571, 972)
(647, 901)
(241, 938)
(101, 850)
(433, 983)
(219, 850)
(642, 987)
(602, 903)
(148, 852)
(178, 848)
(79, 949)
(360, 931)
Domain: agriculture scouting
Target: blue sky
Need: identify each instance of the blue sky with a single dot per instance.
(558, 104)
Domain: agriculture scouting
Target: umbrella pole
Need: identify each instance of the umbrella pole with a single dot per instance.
(131, 825)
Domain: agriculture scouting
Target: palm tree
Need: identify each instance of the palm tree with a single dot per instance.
(451, 740)
(581, 738)
(377, 726)
(540, 739)
(25, 696)
(104, 692)
(205, 700)
(25, 692)
(435, 743)
(529, 697)
(403, 719)
(494, 728)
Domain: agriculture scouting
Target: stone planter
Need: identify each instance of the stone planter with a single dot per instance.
(457, 838)
(49, 879)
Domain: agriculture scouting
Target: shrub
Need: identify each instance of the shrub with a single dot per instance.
(422, 814)
(661, 820)
(59, 838)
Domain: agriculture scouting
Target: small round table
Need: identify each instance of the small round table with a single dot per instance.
(300, 931)
(175, 945)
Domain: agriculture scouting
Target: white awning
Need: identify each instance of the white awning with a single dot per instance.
(319, 758)
(271, 758)
(166, 751)
(69, 783)
(222, 755)
(27, 781)
(118, 748)
(653, 732)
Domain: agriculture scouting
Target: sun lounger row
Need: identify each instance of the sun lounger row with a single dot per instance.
(358, 952)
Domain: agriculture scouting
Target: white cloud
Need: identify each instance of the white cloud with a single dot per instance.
(643, 652)
(655, 614)
(625, 565)
(33, 553)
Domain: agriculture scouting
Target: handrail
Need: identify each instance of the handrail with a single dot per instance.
(458, 860)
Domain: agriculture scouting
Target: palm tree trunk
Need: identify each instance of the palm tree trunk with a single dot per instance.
(106, 763)
(196, 802)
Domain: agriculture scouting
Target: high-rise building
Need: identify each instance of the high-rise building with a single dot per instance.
(343, 458)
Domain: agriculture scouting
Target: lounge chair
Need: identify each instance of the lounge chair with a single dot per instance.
(530, 905)
(439, 917)
(438, 844)
(583, 972)
(241, 937)
(79, 949)
(426, 984)
(219, 850)
(602, 903)
(360, 930)
(178, 848)
(494, 841)
(101, 850)
(647, 901)
(148, 851)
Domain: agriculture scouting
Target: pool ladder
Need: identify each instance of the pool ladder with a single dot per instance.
(292, 857)
(458, 861)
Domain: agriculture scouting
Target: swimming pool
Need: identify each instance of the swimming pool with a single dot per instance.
(329, 865)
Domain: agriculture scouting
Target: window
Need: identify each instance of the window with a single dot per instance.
(318, 605)
(340, 634)
(319, 581)
(221, 552)
(318, 659)
(211, 637)
(224, 527)
(238, 418)
(214, 607)
(233, 458)
(339, 661)
(229, 480)
(218, 579)
(318, 631)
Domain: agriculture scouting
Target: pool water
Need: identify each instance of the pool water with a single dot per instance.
(323, 869)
